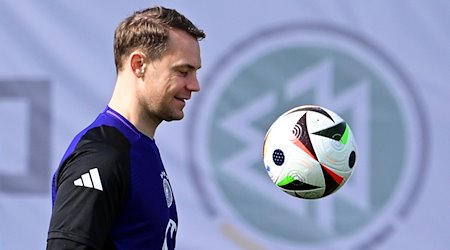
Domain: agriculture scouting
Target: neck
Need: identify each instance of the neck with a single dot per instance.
(124, 101)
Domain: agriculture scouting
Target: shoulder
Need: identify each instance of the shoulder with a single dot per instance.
(104, 137)
(104, 148)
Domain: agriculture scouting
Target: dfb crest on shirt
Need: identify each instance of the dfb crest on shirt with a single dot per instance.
(167, 189)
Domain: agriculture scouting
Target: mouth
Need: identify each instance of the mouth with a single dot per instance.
(182, 99)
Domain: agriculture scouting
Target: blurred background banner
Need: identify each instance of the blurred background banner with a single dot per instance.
(383, 66)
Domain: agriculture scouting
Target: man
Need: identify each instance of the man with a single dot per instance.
(111, 190)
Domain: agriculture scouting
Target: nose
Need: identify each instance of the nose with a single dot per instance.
(193, 84)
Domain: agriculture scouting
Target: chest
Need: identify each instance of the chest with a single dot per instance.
(150, 189)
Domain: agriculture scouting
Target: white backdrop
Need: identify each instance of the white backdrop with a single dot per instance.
(383, 65)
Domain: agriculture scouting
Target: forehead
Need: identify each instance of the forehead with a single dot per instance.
(183, 48)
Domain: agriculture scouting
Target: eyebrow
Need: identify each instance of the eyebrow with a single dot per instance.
(190, 66)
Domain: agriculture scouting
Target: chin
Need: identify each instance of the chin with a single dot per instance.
(175, 117)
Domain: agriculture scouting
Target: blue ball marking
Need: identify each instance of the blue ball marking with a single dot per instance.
(278, 157)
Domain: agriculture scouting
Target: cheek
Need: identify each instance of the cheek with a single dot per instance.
(145, 93)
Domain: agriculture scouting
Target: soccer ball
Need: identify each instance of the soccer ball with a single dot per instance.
(309, 152)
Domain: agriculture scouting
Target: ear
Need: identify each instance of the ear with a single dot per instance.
(138, 64)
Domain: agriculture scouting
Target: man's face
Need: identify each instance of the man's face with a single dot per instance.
(170, 81)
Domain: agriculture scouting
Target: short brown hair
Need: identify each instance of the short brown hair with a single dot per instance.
(148, 30)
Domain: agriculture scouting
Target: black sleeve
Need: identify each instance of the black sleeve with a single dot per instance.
(63, 244)
(84, 210)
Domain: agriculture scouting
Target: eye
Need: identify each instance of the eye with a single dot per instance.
(183, 72)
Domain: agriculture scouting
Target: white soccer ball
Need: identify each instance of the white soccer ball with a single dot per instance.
(309, 152)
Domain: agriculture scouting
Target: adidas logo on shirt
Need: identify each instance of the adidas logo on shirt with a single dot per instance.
(90, 180)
